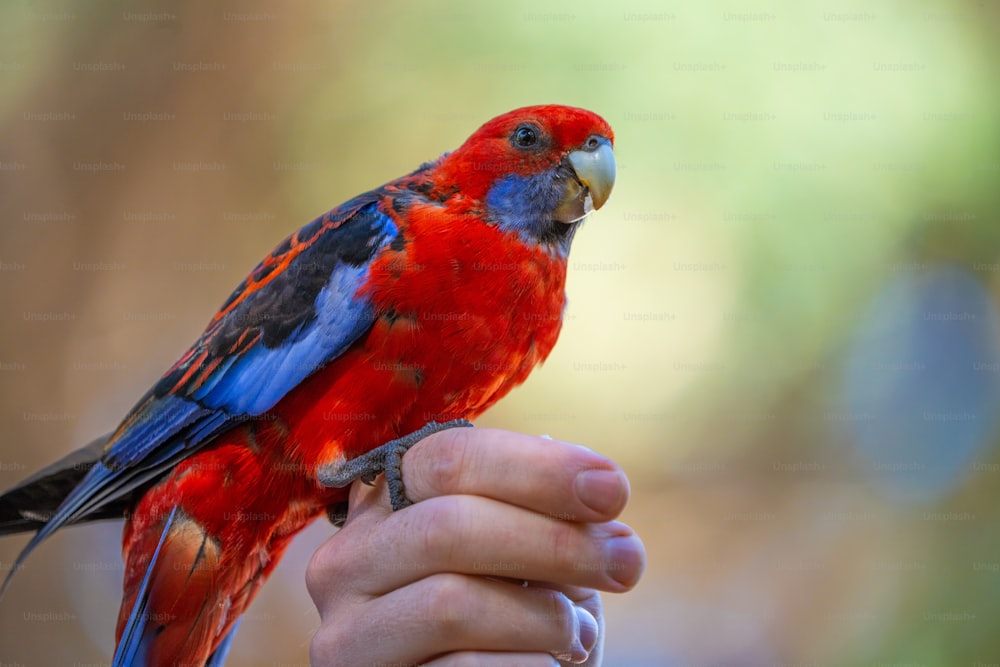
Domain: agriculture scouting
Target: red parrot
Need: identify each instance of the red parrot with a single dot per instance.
(422, 301)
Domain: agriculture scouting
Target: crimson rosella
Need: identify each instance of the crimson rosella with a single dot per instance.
(422, 301)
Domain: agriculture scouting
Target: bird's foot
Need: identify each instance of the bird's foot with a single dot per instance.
(388, 459)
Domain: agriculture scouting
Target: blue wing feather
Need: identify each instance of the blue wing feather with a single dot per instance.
(130, 647)
(159, 421)
(218, 657)
(253, 382)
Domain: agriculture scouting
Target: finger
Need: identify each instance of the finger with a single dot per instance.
(547, 476)
(483, 659)
(496, 539)
(449, 612)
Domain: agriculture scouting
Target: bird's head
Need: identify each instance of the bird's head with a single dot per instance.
(537, 171)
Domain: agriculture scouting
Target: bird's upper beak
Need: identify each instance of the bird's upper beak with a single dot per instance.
(595, 176)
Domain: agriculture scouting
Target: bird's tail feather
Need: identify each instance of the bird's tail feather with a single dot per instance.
(29, 505)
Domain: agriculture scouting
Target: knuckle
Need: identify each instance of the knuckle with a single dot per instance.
(327, 565)
(449, 600)
(445, 471)
(318, 573)
(320, 647)
(325, 642)
(566, 547)
(561, 618)
(343, 629)
(436, 533)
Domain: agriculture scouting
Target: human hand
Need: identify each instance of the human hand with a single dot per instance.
(498, 562)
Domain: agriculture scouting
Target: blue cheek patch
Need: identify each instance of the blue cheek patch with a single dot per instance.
(525, 205)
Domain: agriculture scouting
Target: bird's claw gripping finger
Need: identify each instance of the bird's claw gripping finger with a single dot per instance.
(388, 459)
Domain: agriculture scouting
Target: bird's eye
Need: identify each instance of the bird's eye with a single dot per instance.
(525, 136)
(592, 143)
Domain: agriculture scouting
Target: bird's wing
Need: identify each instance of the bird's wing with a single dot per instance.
(297, 310)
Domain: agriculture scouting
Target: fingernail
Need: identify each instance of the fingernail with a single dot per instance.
(603, 491)
(624, 559)
(585, 634)
(587, 629)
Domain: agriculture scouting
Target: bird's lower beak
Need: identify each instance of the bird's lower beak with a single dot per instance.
(595, 176)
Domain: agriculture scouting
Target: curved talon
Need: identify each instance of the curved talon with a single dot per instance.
(337, 514)
(388, 459)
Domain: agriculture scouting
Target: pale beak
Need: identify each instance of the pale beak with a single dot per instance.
(595, 176)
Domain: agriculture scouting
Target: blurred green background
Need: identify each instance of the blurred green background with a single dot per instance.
(783, 324)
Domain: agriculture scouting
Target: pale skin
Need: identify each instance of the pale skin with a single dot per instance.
(442, 583)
